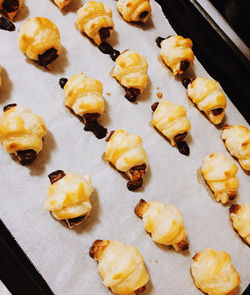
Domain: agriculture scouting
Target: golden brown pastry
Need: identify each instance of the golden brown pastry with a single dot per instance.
(237, 141)
(68, 197)
(209, 98)
(171, 121)
(214, 274)
(84, 96)
(62, 3)
(21, 133)
(39, 39)
(126, 153)
(95, 20)
(10, 7)
(120, 266)
(176, 53)
(240, 215)
(164, 223)
(220, 174)
(130, 71)
(134, 10)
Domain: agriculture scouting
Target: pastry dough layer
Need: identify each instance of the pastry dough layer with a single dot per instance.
(69, 197)
(92, 17)
(214, 273)
(84, 95)
(62, 3)
(21, 130)
(130, 70)
(38, 35)
(237, 141)
(132, 9)
(208, 96)
(220, 174)
(240, 215)
(174, 50)
(7, 6)
(125, 151)
(171, 120)
(122, 268)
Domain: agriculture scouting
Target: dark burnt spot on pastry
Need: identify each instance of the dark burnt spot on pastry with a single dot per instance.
(9, 106)
(6, 24)
(154, 106)
(56, 175)
(232, 195)
(96, 247)
(91, 124)
(26, 157)
(158, 41)
(140, 208)
(131, 93)
(183, 245)
(183, 148)
(184, 65)
(143, 15)
(179, 137)
(62, 82)
(47, 57)
(74, 221)
(185, 82)
(106, 48)
(10, 5)
(234, 209)
(133, 185)
(110, 135)
(115, 54)
(195, 257)
(104, 32)
(139, 290)
(217, 111)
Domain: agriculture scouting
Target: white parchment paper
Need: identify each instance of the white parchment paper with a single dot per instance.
(61, 254)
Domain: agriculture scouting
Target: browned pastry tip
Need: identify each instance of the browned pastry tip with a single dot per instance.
(196, 256)
(139, 290)
(141, 208)
(56, 175)
(47, 57)
(74, 221)
(9, 106)
(154, 106)
(110, 135)
(226, 127)
(26, 157)
(97, 248)
(234, 208)
(183, 245)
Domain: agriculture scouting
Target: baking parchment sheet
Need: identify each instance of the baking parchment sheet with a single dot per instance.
(61, 254)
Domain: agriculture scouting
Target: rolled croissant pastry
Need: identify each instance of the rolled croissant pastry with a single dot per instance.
(21, 133)
(10, 7)
(237, 141)
(219, 173)
(120, 266)
(164, 222)
(209, 98)
(177, 54)
(134, 10)
(126, 153)
(130, 71)
(171, 121)
(68, 197)
(62, 3)
(95, 20)
(240, 215)
(39, 39)
(214, 274)
(84, 96)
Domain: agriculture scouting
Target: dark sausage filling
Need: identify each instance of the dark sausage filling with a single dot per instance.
(143, 15)
(26, 157)
(10, 5)
(182, 145)
(56, 175)
(104, 32)
(47, 57)
(106, 48)
(62, 82)
(75, 221)
(132, 93)
(184, 65)
(179, 137)
(158, 41)
(136, 175)
(91, 124)
(154, 106)
(6, 24)
(217, 112)
(9, 106)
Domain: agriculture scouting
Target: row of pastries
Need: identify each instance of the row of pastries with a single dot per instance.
(68, 197)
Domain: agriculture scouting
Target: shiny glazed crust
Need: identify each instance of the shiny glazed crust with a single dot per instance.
(134, 10)
(62, 3)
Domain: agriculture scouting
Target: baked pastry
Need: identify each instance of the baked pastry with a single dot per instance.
(130, 71)
(237, 141)
(62, 3)
(219, 173)
(240, 215)
(214, 274)
(164, 222)
(209, 98)
(134, 10)
(95, 20)
(39, 39)
(21, 133)
(120, 266)
(171, 121)
(84, 96)
(176, 52)
(68, 197)
(10, 7)
(126, 153)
